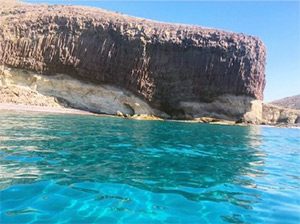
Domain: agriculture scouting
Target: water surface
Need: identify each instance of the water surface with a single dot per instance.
(86, 169)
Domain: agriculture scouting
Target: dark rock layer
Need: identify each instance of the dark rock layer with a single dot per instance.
(165, 64)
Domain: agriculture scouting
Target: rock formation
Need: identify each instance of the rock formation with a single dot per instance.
(292, 102)
(283, 112)
(275, 115)
(180, 70)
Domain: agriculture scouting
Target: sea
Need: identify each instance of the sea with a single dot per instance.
(96, 169)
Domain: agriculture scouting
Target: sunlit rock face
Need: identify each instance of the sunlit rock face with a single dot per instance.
(273, 114)
(169, 66)
(26, 87)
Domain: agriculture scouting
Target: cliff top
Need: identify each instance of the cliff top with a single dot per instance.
(133, 26)
(163, 62)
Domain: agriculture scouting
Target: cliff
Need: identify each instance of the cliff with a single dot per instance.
(283, 112)
(179, 70)
(282, 116)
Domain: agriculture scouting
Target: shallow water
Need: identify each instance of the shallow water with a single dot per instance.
(86, 169)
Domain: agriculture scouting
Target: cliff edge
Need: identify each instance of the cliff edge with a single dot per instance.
(149, 67)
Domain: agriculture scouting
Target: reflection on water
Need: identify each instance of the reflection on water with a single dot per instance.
(137, 171)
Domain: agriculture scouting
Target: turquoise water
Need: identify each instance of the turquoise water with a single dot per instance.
(85, 169)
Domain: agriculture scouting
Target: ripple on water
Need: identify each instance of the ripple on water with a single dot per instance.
(84, 169)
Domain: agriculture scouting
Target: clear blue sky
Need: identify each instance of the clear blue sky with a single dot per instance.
(276, 23)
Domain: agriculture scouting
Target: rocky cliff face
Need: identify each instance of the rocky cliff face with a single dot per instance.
(276, 115)
(171, 67)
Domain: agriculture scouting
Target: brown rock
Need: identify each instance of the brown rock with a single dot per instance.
(165, 64)
(292, 102)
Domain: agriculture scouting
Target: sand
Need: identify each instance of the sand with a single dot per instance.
(43, 109)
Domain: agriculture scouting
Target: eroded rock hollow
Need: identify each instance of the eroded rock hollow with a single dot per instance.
(184, 71)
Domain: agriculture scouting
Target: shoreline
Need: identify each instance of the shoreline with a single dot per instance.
(72, 111)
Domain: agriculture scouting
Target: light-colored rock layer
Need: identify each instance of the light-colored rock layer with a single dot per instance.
(26, 96)
(20, 86)
(60, 91)
(226, 107)
(273, 114)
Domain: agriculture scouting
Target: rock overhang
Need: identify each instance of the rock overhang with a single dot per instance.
(165, 64)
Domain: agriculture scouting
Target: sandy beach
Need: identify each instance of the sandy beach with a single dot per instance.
(43, 109)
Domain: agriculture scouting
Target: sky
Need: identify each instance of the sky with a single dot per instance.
(276, 23)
